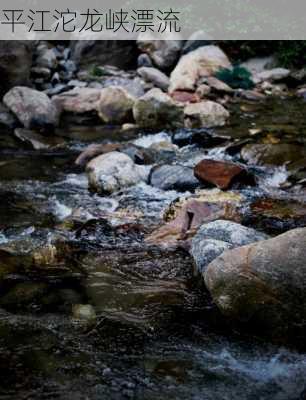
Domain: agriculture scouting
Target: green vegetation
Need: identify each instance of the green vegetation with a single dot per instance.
(292, 53)
(97, 71)
(236, 78)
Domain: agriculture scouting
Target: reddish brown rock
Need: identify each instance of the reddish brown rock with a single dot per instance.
(185, 97)
(95, 150)
(192, 215)
(219, 173)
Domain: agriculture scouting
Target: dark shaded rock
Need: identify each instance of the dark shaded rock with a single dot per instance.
(15, 63)
(7, 119)
(119, 53)
(219, 173)
(23, 294)
(275, 215)
(36, 141)
(144, 61)
(203, 137)
(173, 177)
(264, 285)
(214, 238)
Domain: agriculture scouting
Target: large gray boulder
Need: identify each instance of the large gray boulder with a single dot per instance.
(113, 171)
(156, 110)
(263, 284)
(214, 238)
(15, 63)
(155, 77)
(202, 62)
(33, 109)
(115, 105)
(78, 100)
(205, 114)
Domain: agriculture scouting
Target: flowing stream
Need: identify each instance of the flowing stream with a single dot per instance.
(156, 334)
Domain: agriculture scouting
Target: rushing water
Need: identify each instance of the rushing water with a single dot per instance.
(157, 335)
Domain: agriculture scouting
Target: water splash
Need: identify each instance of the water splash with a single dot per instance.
(3, 238)
(148, 140)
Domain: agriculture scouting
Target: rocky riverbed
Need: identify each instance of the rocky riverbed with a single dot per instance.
(152, 227)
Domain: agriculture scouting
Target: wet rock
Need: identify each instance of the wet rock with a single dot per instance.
(252, 95)
(55, 80)
(173, 177)
(7, 120)
(115, 105)
(219, 173)
(163, 53)
(37, 141)
(205, 114)
(203, 62)
(94, 150)
(154, 76)
(276, 215)
(119, 53)
(23, 295)
(185, 97)
(202, 137)
(41, 72)
(40, 254)
(272, 75)
(272, 154)
(140, 155)
(84, 312)
(78, 100)
(263, 284)
(214, 238)
(185, 217)
(113, 171)
(144, 61)
(34, 109)
(157, 110)
(15, 63)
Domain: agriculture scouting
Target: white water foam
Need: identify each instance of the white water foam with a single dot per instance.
(276, 178)
(61, 211)
(3, 238)
(147, 140)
